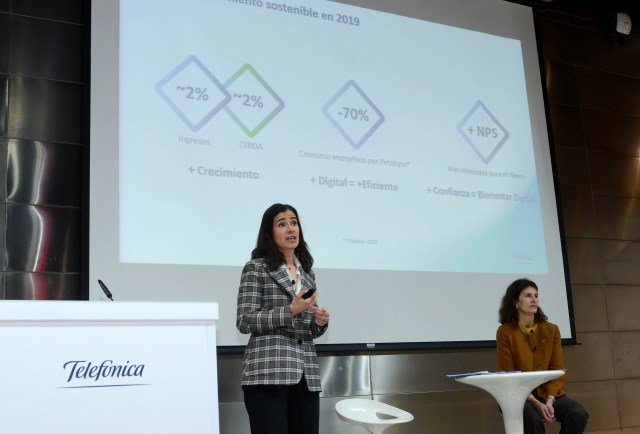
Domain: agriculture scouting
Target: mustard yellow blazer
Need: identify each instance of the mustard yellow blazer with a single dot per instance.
(537, 351)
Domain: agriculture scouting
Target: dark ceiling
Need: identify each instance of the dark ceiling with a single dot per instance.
(602, 13)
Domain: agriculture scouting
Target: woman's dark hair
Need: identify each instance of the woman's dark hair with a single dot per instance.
(266, 246)
(508, 312)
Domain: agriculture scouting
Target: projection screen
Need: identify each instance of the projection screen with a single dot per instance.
(409, 134)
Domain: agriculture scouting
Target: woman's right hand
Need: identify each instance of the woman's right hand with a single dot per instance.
(299, 304)
(545, 411)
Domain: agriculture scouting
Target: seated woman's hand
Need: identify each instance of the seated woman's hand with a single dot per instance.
(545, 411)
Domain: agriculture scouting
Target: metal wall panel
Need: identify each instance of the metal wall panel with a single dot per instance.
(45, 110)
(555, 41)
(234, 419)
(46, 49)
(609, 92)
(573, 170)
(578, 215)
(4, 43)
(603, 52)
(612, 132)
(345, 375)
(414, 373)
(340, 376)
(618, 217)
(615, 175)
(3, 171)
(42, 286)
(566, 123)
(41, 173)
(60, 10)
(4, 108)
(562, 87)
(3, 242)
(43, 239)
(229, 377)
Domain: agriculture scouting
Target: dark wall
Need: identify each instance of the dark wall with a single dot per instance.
(43, 95)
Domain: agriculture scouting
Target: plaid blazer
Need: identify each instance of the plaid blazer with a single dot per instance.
(281, 346)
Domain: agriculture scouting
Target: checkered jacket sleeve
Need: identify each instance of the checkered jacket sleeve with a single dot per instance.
(281, 346)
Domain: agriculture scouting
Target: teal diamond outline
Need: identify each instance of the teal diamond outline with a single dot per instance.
(270, 116)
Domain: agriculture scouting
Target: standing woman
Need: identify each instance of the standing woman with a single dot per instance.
(281, 376)
(527, 341)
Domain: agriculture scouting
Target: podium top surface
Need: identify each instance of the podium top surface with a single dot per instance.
(54, 310)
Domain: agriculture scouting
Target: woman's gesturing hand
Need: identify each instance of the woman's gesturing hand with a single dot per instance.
(299, 304)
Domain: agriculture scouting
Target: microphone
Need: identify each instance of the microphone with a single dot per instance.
(105, 289)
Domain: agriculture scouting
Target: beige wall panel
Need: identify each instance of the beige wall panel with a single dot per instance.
(600, 399)
(578, 215)
(615, 431)
(629, 396)
(621, 262)
(626, 354)
(412, 373)
(584, 261)
(591, 360)
(616, 175)
(589, 308)
(634, 430)
(623, 305)
(617, 218)
(469, 411)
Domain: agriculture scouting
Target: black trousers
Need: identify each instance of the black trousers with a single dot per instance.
(282, 409)
(571, 415)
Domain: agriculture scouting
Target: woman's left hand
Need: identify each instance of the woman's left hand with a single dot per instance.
(549, 405)
(321, 316)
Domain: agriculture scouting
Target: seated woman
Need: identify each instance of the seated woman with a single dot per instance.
(527, 341)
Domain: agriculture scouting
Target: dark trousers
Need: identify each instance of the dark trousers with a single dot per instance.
(282, 409)
(571, 415)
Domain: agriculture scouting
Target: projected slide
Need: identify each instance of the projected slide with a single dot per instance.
(405, 144)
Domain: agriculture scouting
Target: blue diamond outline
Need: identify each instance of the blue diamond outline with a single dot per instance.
(373, 128)
(479, 103)
(176, 109)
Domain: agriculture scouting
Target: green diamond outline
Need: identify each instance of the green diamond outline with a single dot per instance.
(269, 117)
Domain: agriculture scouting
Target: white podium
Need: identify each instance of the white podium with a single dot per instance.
(511, 391)
(79, 367)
